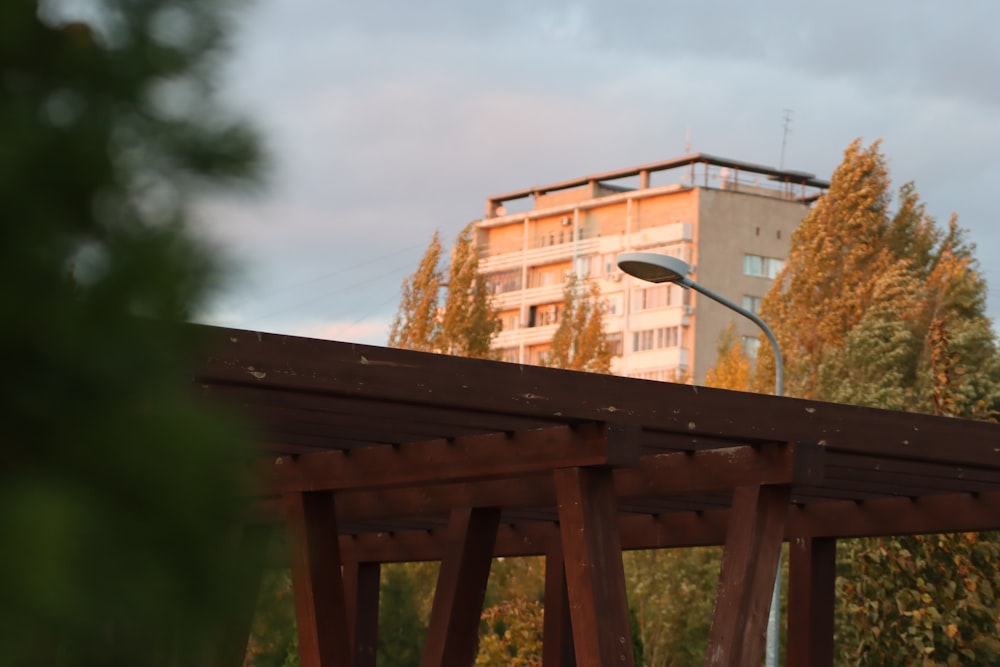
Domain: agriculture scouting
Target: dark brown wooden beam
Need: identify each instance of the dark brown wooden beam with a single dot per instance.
(321, 615)
(749, 566)
(464, 458)
(361, 589)
(812, 573)
(893, 516)
(962, 512)
(881, 472)
(453, 633)
(409, 421)
(557, 632)
(659, 475)
(403, 377)
(595, 577)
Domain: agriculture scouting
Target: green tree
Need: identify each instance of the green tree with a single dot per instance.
(119, 490)
(886, 309)
(579, 343)
(465, 322)
(732, 368)
(672, 592)
(273, 636)
(407, 591)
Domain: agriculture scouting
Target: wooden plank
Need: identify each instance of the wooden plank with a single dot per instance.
(453, 633)
(896, 516)
(595, 577)
(812, 573)
(708, 471)
(882, 472)
(659, 475)
(465, 458)
(316, 580)
(361, 590)
(321, 408)
(961, 512)
(557, 632)
(392, 376)
(749, 566)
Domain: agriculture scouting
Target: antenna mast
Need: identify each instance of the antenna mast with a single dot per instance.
(784, 137)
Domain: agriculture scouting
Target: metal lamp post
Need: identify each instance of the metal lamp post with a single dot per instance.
(657, 268)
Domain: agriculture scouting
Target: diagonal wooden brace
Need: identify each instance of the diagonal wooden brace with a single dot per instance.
(453, 634)
(324, 640)
(746, 580)
(595, 576)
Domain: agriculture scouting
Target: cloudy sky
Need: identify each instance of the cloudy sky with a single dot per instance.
(389, 120)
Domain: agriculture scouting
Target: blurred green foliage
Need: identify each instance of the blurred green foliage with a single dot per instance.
(120, 494)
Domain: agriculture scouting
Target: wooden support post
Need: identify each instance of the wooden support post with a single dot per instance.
(361, 590)
(595, 577)
(812, 565)
(453, 635)
(320, 612)
(749, 566)
(557, 630)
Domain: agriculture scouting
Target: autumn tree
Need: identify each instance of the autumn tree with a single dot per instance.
(884, 308)
(417, 325)
(463, 322)
(469, 322)
(579, 343)
(732, 367)
(119, 488)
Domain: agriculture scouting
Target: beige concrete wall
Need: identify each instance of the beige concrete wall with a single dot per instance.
(508, 238)
(731, 224)
(564, 197)
(680, 206)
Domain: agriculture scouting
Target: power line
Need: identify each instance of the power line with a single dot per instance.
(327, 295)
(257, 297)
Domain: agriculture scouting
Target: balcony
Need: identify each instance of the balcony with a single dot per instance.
(549, 254)
(525, 335)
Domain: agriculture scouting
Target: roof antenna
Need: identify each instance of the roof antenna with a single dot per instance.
(784, 136)
(687, 151)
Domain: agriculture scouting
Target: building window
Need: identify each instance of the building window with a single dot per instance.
(763, 267)
(614, 341)
(613, 305)
(504, 281)
(655, 339)
(510, 355)
(658, 296)
(752, 303)
(540, 316)
(751, 345)
(510, 322)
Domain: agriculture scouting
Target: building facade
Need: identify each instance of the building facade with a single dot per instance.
(730, 220)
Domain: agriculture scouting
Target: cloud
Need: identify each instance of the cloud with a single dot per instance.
(389, 120)
(368, 333)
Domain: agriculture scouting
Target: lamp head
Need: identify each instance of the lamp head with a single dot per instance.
(654, 267)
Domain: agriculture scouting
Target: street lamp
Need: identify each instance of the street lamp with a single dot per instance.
(656, 268)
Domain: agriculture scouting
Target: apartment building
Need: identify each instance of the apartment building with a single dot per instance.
(730, 220)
